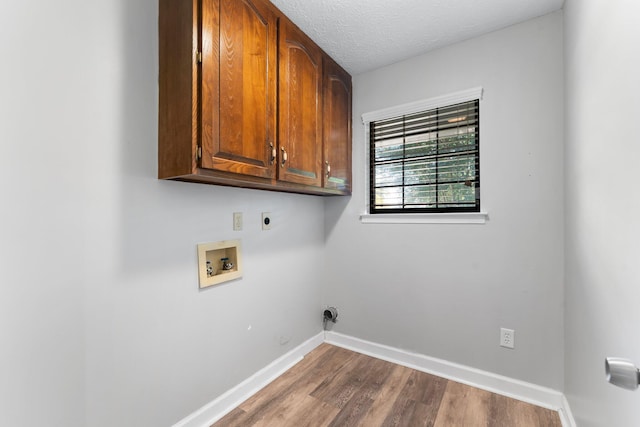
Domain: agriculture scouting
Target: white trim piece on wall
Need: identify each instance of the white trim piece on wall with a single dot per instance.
(422, 105)
(566, 416)
(429, 218)
(222, 405)
(520, 390)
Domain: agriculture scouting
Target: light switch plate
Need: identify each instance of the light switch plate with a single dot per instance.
(237, 221)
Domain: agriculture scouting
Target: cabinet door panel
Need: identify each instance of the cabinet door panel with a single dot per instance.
(239, 87)
(337, 127)
(300, 127)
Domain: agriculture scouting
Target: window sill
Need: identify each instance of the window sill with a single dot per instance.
(426, 218)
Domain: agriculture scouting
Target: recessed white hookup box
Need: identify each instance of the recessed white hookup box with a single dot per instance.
(219, 262)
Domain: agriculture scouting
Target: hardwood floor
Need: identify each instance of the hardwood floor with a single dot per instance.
(332, 386)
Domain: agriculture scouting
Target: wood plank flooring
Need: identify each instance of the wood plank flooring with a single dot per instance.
(333, 386)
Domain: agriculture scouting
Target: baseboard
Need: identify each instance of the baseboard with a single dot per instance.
(527, 392)
(566, 416)
(521, 390)
(221, 406)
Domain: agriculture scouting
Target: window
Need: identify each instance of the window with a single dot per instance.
(425, 161)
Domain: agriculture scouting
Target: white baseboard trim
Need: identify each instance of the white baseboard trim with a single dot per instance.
(222, 405)
(521, 390)
(566, 416)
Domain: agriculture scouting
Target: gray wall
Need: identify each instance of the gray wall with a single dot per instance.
(445, 290)
(99, 300)
(44, 125)
(101, 320)
(602, 227)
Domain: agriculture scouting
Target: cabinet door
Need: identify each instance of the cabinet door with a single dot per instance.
(337, 127)
(238, 87)
(300, 114)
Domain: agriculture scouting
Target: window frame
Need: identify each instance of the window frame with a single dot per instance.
(440, 216)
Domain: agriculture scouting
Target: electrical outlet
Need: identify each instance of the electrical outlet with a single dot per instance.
(237, 221)
(507, 338)
(266, 220)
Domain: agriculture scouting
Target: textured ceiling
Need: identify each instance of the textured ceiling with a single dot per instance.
(366, 34)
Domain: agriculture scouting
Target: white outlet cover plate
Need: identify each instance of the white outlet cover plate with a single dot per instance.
(507, 338)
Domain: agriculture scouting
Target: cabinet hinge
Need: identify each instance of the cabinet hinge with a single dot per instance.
(199, 152)
(199, 57)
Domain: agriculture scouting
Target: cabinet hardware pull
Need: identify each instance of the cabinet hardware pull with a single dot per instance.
(273, 153)
(328, 169)
(284, 156)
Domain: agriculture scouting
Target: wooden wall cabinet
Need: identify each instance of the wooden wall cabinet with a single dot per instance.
(337, 127)
(238, 92)
(300, 130)
(248, 100)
